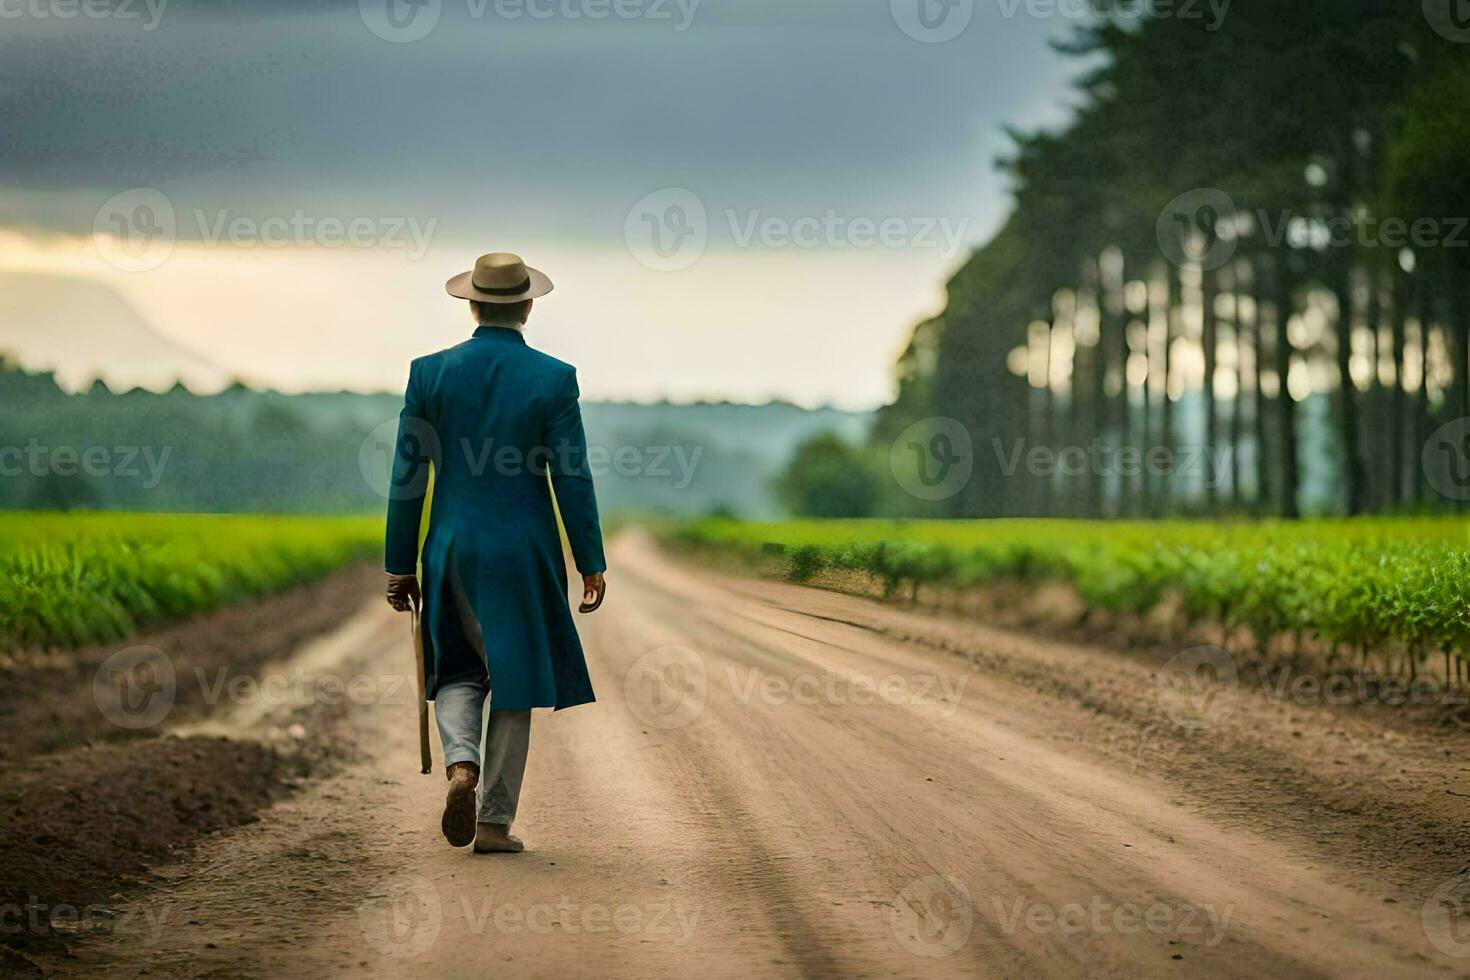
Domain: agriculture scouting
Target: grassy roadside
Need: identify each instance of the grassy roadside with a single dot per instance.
(1394, 589)
(69, 579)
(91, 804)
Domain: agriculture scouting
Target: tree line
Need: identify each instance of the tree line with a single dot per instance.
(1234, 283)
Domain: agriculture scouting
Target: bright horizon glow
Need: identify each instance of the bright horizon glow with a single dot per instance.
(300, 319)
(544, 138)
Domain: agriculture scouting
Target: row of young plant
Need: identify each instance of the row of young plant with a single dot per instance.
(77, 578)
(1397, 589)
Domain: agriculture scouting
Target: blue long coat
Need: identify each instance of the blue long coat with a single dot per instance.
(495, 417)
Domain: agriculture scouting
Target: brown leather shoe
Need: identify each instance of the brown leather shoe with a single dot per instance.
(458, 823)
(495, 838)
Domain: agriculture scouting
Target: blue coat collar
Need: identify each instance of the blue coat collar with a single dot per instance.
(500, 333)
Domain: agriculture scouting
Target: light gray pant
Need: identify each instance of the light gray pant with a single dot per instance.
(498, 745)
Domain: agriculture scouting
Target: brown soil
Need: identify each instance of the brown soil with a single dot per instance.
(1056, 610)
(1381, 787)
(79, 825)
(89, 807)
(739, 804)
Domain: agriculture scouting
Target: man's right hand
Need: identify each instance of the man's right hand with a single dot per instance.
(594, 587)
(403, 593)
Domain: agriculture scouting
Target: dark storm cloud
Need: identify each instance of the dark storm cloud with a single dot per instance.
(563, 121)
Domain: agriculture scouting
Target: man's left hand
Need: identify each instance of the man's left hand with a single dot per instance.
(594, 588)
(403, 593)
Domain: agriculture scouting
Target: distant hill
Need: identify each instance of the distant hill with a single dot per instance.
(246, 450)
(83, 329)
(737, 450)
(682, 459)
(241, 449)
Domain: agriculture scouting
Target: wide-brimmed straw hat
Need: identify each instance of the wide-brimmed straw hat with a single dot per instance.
(499, 277)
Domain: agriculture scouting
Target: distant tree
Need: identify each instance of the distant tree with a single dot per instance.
(828, 477)
(54, 491)
(722, 510)
(274, 420)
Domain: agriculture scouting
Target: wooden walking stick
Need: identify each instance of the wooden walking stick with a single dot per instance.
(418, 653)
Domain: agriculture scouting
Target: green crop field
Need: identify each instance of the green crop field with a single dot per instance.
(68, 579)
(1388, 586)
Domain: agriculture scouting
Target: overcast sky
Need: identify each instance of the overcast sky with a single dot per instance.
(739, 200)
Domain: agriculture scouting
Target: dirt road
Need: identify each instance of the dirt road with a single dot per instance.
(780, 781)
